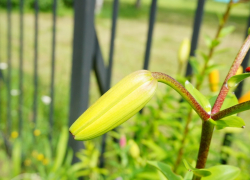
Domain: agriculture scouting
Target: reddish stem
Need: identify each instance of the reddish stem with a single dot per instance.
(236, 64)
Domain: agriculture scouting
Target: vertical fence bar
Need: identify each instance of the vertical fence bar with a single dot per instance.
(1, 77)
(153, 9)
(9, 48)
(152, 16)
(109, 69)
(51, 113)
(20, 106)
(227, 141)
(83, 50)
(196, 32)
(35, 64)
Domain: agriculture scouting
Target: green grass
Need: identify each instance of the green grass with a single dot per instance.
(174, 23)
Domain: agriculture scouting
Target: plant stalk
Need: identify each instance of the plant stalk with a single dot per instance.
(199, 83)
(211, 50)
(236, 64)
(180, 152)
(207, 127)
(206, 136)
(166, 79)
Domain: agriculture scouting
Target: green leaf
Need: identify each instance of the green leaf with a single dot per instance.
(229, 101)
(224, 50)
(230, 121)
(235, 80)
(222, 172)
(61, 148)
(17, 157)
(208, 40)
(215, 43)
(188, 175)
(195, 65)
(214, 67)
(197, 172)
(226, 31)
(165, 169)
(200, 98)
(203, 54)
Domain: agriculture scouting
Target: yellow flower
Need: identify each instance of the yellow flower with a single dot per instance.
(184, 50)
(214, 79)
(40, 157)
(45, 161)
(116, 106)
(34, 153)
(14, 134)
(37, 132)
(245, 97)
(134, 150)
(27, 162)
(239, 70)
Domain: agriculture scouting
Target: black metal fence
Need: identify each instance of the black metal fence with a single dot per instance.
(87, 55)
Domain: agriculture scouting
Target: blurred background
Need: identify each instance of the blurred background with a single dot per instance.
(58, 56)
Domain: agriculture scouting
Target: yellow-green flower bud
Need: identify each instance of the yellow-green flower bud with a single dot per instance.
(239, 71)
(184, 50)
(116, 106)
(214, 79)
(134, 149)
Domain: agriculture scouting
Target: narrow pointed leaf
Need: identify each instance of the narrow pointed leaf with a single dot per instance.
(235, 80)
(197, 172)
(230, 101)
(200, 98)
(230, 121)
(223, 172)
(226, 31)
(195, 65)
(165, 169)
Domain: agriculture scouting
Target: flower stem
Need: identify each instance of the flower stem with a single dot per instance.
(206, 136)
(166, 79)
(211, 50)
(199, 83)
(207, 127)
(232, 110)
(236, 64)
(180, 152)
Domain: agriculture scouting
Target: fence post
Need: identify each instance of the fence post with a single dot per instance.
(109, 72)
(152, 16)
(196, 32)
(82, 62)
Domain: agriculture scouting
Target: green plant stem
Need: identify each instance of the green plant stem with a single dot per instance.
(211, 50)
(199, 83)
(180, 152)
(166, 79)
(206, 136)
(207, 127)
(232, 110)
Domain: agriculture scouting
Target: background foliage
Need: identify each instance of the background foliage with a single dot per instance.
(153, 135)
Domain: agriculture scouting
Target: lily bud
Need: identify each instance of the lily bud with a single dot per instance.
(123, 141)
(239, 71)
(184, 51)
(245, 97)
(214, 79)
(116, 106)
(134, 149)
